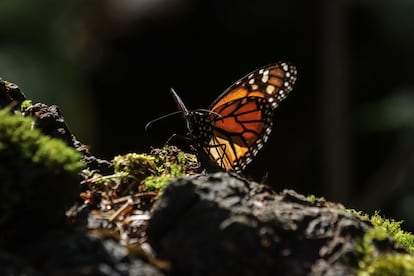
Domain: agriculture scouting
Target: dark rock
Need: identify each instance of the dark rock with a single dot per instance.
(68, 253)
(38, 201)
(50, 121)
(10, 95)
(222, 224)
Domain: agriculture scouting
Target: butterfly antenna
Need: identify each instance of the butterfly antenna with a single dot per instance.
(179, 102)
(184, 109)
(160, 118)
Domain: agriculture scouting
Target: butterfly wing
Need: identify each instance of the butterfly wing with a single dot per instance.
(242, 115)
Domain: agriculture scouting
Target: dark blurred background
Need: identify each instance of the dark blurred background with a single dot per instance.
(345, 132)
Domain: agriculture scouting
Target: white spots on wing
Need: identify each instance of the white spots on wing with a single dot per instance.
(268, 130)
(266, 87)
(270, 89)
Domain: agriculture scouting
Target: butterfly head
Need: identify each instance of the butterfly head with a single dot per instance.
(199, 122)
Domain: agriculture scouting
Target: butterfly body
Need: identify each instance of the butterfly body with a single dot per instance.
(238, 123)
(199, 125)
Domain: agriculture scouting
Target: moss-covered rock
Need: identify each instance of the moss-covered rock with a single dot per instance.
(376, 261)
(18, 139)
(39, 177)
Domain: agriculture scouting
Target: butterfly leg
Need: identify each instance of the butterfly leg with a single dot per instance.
(179, 137)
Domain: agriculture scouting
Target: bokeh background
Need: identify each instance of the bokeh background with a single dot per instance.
(346, 132)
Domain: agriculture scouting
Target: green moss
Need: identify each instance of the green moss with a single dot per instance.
(153, 183)
(146, 172)
(375, 263)
(366, 247)
(390, 264)
(19, 140)
(168, 170)
(385, 264)
(360, 214)
(25, 104)
(32, 165)
(311, 197)
(170, 163)
(134, 164)
(391, 227)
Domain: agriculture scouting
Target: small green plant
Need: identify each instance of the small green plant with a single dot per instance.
(145, 172)
(170, 163)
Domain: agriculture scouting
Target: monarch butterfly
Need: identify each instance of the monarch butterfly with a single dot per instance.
(238, 123)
